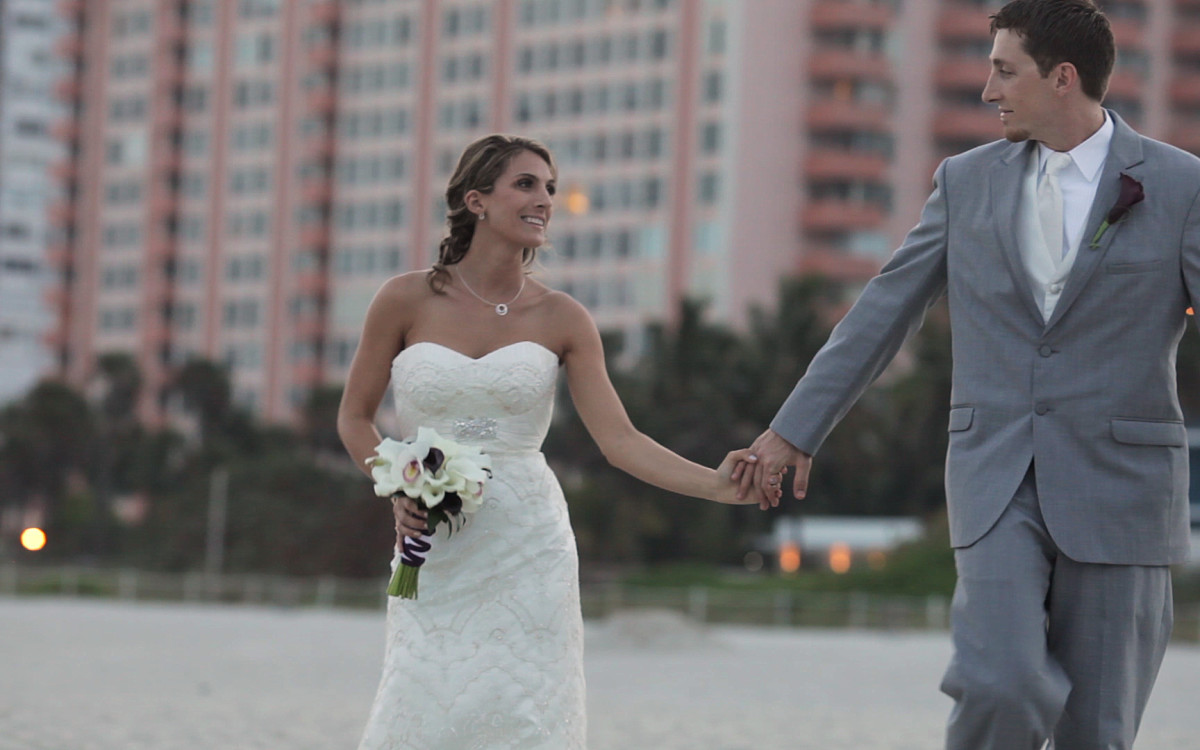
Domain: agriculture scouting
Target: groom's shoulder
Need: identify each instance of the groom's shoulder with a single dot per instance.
(976, 157)
(1160, 155)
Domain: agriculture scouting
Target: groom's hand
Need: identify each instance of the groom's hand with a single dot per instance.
(764, 477)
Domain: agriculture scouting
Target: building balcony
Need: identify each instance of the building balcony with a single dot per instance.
(1185, 89)
(55, 297)
(168, 160)
(323, 56)
(307, 374)
(69, 46)
(163, 203)
(837, 265)
(962, 73)
(317, 190)
(324, 12)
(173, 33)
(839, 14)
(65, 130)
(312, 282)
(69, 9)
(832, 114)
(54, 339)
(320, 147)
(64, 172)
(1126, 84)
(845, 63)
(969, 22)
(322, 100)
(67, 89)
(1186, 39)
(167, 115)
(831, 215)
(60, 213)
(1186, 135)
(58, 255)
(825, 163)
(315, 236)
(968, 123)
(1127, 33)
(310, 327)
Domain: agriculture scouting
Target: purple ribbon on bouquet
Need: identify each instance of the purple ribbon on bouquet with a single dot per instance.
(413, 550)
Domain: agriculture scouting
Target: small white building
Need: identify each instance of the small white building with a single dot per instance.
(839, 542)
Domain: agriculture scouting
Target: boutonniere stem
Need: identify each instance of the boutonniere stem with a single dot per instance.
(1131, 195)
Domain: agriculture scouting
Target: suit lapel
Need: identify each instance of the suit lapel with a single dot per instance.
(1124, 154)
(1005, 192)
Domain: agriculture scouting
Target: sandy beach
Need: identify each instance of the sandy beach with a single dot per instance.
(103, 675)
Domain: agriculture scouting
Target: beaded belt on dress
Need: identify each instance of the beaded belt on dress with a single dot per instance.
(474, 430)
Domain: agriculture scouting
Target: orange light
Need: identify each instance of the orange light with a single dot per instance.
(577, 201)
(1190, 311)
(33, 539)
(839, 558)
(789, 558)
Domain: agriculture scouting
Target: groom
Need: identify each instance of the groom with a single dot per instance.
(1069, 255)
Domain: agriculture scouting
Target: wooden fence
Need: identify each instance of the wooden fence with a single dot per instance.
(702, 604)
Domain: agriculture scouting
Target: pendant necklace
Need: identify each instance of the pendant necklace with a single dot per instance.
(500, 307)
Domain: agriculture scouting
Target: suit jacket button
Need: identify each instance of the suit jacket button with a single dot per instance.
(1041, 409)
(1045, 350)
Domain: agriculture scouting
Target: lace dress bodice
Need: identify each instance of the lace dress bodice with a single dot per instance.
(501, 402)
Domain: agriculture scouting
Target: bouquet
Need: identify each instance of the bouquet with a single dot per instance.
(445, 478)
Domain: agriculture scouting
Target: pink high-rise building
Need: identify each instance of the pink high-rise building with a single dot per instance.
(245, 173)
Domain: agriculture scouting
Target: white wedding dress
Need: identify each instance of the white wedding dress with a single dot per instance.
(491, 654)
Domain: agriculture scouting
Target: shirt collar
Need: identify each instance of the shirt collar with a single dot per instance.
(1089, 156)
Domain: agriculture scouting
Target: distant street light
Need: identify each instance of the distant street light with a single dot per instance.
(33, 539)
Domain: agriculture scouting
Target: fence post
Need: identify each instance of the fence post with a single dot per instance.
(69, 581)
(612, 598)
(698, 603)
(326, 591)
(935, 612)
(860, 609)
(127, 585)
(783, 608)
(191, 587)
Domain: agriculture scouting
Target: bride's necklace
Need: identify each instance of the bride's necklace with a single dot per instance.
(500, 307)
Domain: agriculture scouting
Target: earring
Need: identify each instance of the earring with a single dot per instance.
(482, 216)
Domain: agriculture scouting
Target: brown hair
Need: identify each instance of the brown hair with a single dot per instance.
(480, 165)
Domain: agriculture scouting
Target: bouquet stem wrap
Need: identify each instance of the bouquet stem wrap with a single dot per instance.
(412, 557)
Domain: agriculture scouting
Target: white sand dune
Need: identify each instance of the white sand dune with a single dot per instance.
(103, 675)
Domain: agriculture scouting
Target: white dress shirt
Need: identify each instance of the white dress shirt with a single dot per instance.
(1049, 267)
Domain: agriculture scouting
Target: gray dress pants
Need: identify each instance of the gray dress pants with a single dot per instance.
(1047, 648)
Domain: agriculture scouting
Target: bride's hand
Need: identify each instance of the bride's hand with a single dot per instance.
(410, 519)
(727, 488)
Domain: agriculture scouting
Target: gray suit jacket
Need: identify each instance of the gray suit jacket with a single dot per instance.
(1088, 396)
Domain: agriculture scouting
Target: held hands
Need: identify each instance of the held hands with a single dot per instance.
(727, 491)
(761, 480)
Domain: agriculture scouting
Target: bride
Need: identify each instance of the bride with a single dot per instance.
(491, 656)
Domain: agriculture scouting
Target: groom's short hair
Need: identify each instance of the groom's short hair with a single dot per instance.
(1058, 31)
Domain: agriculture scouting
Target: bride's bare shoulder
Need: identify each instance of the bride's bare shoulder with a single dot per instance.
(405, 289)
(566, 319)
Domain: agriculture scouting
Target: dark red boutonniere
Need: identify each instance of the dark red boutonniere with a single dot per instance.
(1131, 195)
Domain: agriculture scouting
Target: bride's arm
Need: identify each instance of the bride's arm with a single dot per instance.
(622, 444)
(382, 337)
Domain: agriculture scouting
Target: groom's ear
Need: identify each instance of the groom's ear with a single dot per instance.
(1065, 78)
